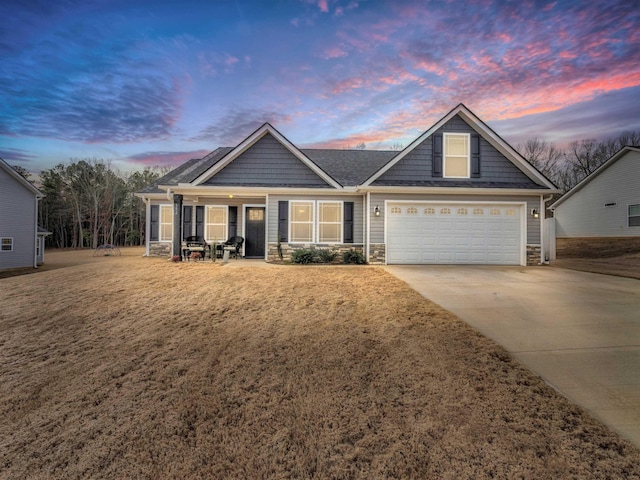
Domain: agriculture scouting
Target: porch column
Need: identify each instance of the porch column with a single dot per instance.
(177, 225)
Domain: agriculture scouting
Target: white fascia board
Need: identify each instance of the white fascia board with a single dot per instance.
(456, 190)
(20, 179)
(503, 147)
(616, 156)
(486, 132)
(224, 191)
(411, 146)
(251, 140)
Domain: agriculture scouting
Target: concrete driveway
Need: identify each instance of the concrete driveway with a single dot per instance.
(579, 331)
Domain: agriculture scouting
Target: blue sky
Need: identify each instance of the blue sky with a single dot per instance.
(145, 83)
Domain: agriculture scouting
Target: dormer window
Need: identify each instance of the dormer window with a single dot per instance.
(456, 155)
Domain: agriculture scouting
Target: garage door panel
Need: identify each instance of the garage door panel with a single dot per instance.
(454, 234)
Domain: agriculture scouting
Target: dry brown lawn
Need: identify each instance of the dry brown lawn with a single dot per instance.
(131, 367)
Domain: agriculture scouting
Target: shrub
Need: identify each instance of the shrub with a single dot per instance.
(353, 256)
(303, 256)
(327, 256)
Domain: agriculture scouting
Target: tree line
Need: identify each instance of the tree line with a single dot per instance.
(567, 167)
(87, 203)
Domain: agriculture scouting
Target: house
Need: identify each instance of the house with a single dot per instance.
(21, 240)
(458, 194)
(604, 204)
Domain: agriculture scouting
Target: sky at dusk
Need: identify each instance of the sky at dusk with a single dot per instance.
(154, 83)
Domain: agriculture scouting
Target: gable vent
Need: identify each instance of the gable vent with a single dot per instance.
(611, 204)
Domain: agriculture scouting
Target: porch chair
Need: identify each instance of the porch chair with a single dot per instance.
(235, 242)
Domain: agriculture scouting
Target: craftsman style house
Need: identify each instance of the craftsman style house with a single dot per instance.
(458, 194)
(21, 240)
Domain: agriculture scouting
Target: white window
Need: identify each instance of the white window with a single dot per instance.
(456, 155)
(216, 224)
(166, 223)
(396, 210)
(6, 244)
(301, 214)
(329, 222)
(634, 215)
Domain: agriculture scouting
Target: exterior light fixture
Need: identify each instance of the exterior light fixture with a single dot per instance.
(230, 195)
(534, 213)
(376, 211)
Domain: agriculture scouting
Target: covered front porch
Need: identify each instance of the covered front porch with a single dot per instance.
(209, 220)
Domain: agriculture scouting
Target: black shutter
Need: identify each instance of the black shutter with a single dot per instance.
(437, 155)
(233, 221)
(283, 221)
(155, 224)
(200, 221)
(348, 222)
(186, 222)
(475, 156)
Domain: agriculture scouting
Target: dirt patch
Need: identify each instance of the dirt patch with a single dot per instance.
(618, 256)
(597, 247)
(131, 367)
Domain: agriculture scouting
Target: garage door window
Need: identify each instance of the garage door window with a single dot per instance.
(456, 155)
(634, 215)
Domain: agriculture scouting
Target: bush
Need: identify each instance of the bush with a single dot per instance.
(353, 256)
(327, 256)
(303, 256)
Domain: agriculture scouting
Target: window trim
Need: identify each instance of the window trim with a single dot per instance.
(629, 216)
(315, 221)
(445, 154)
(207, 223)
(2, 244)
(161, 223)
(340, 223)
(292, 203)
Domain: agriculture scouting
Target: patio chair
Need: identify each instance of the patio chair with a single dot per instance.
(195, 244)
(235, 242)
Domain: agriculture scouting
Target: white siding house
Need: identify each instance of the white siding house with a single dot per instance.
(19, 237)
(606, 203)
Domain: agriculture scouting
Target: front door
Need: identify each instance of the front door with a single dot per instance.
(254, 232)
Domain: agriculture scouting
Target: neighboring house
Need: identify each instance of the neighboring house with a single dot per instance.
(21, 240)
(606, 203)
(457, 194)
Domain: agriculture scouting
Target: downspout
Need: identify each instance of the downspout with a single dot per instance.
(543, 217)
(35, 245)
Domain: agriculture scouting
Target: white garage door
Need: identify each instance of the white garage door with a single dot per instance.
(450, 233)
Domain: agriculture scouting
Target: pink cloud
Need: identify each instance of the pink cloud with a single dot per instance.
(334, 52)
(323, 6)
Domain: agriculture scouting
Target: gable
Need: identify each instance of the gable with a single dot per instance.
(618, 175)
(267, 163)
(416, 167)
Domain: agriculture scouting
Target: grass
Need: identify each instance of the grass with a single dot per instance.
(130, 367)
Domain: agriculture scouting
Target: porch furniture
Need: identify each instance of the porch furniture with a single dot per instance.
(195, 244)
(234, 244)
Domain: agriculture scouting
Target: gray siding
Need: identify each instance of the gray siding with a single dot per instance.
(267, 163)
(584, 213)
(416, 166)
(377, 223)
(358, 222)
(17, 220)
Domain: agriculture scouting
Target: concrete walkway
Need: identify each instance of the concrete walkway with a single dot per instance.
(579, 331)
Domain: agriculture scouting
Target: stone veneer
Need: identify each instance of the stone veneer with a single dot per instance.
(157, 249)
(377, 253)
(288, 249)
(534, 255)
